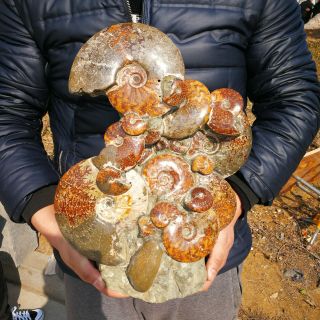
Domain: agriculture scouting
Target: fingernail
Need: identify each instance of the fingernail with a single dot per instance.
(99, 284)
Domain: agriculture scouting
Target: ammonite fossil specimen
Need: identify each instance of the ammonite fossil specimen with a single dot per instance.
(150, 206)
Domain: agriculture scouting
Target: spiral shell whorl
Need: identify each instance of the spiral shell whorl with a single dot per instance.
(198, 199)
(135, 93)
(105, 53)
(133, 124)
(133, 74)
(168, 174)
(146, 227)
(163, 212)
(190, 241)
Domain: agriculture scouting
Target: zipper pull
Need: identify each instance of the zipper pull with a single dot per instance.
(135, 18)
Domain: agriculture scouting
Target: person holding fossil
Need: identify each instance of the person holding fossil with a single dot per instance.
(255, 47)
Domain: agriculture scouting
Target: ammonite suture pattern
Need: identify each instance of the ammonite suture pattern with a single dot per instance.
(149, 207)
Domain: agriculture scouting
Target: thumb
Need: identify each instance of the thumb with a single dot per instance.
(99, 284)
(87, 272)
(212, 271)
(90, 274)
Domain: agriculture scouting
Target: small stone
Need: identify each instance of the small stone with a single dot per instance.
(280, 236)
(294, 275)
(274, 296)
(144, 266)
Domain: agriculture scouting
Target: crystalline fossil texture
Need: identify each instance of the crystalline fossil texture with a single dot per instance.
(149, 207)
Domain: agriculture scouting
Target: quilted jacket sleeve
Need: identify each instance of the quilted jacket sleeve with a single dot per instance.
(283, 85)
(24, 164)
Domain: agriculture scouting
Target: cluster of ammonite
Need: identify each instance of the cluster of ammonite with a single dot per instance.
(154, 199)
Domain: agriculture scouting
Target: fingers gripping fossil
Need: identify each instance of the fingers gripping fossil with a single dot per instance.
(148, 208)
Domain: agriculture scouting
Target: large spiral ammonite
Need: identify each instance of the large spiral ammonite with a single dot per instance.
(149, 207)
(127, 61)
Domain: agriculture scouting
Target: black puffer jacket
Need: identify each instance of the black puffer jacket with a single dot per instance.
(256, 47)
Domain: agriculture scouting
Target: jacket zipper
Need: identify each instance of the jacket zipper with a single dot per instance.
(60, 161)
(133, 17)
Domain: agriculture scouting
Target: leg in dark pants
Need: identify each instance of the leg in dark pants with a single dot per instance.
(5, 313)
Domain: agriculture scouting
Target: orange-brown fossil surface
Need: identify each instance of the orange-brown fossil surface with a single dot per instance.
(168, 174)
(149, 207)
(189, 240)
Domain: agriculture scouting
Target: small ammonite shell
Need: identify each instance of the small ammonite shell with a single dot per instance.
(99, 60)
(202, 164)
(226, 106)
(133, 124)
(227, 153)
(189, 240)
(198, 199)
(110, 181)
(122, 150)
(168, 174)
(205, 145)
(192, 115)
(146, 227)
(124, 210)
(163, 212)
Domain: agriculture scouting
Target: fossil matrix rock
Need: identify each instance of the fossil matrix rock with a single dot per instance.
(149, 207)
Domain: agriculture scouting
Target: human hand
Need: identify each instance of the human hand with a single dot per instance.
(220, 251)
(45, 222)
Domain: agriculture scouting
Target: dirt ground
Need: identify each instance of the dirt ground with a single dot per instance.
(281, 276)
